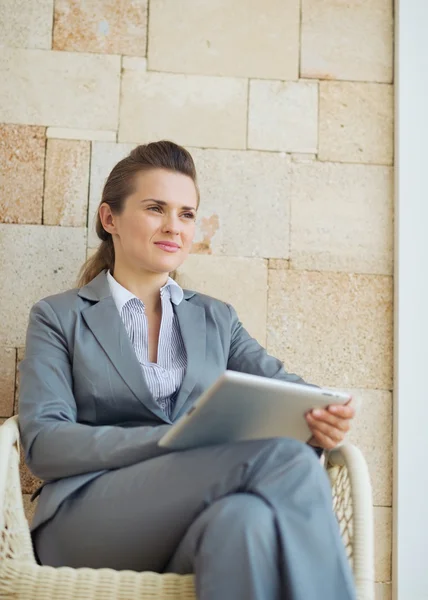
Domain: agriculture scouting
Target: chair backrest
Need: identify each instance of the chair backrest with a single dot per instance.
(15, 538)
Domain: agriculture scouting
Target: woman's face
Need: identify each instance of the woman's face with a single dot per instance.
(156, 228)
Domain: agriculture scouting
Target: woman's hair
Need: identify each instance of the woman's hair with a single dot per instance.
(120, 184)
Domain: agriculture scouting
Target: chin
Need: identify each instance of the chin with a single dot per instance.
(166, 266)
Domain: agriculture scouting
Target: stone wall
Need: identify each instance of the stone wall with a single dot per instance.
(287, 108)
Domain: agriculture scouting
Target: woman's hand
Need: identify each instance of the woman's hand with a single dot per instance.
(329, 426)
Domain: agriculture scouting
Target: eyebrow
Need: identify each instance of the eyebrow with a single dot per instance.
(163, 203)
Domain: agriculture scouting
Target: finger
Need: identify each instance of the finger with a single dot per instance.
(332, 432)
(324, 441)
(325, 417)
(344, 411)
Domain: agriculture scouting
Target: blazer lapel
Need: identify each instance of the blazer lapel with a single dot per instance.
(191, 319)
(104, 321)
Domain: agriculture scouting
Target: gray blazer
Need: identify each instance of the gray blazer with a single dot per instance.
(84, 406)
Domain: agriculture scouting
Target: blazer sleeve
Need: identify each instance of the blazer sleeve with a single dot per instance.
(55, 444)
(248, 356)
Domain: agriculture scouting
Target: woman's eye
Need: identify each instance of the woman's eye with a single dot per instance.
(155, 208)
(189, 215)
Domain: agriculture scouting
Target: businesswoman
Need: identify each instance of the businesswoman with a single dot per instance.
(110, 365)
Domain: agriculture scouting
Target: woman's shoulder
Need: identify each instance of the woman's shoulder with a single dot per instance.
(62, 303)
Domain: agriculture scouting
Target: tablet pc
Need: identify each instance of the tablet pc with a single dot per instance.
(239, 406)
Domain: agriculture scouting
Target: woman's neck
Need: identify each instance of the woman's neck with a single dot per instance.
(143, 284)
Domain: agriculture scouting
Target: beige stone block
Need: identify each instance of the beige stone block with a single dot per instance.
(22, 158)
(242, 282)
(383, 591)
(333, 329)
(101, 26)
(134, 63)
(29, 507)
(66, 183)
(342, 218)
(189, 109)
(244, 207)
(44, 261)
(383, 543)
(303, 157)
(90, 252)
(246, 39)
(7, 380)
(20, 354)
(356, 122)
(283, 116)
(26, 23)
(61, 89)
(80, 134)
(347, 40)
(371, 432)
(278, 263)
(104, 157)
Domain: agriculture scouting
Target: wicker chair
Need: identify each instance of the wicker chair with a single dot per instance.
(21, 578)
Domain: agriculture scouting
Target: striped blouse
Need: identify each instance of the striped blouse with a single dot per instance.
(163, 378)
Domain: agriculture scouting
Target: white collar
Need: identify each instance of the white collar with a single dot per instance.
(121, 295)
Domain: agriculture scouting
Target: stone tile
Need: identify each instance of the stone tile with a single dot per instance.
(303, 157)
(45, 260)
(244, 203)
(7, 380)
(29, 483)
(33, 80)
(26, 23)
(356, 122)
(20, 353)
(218, 276)
(283, 116)
(333, 329)
(383, 543)
(342, 218)
(383, 591)
(29, 507)
(104, 157)
(216, 39)
(372, 433)
(101, 26)
(80, 134)
(347, 40)
(22, 158)
(90, 252)
(188, 109)
(66, 183)
(278, 263)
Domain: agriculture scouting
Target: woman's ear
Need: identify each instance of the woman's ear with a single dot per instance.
(107, 218)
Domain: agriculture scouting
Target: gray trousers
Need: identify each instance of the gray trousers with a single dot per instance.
(253, 521)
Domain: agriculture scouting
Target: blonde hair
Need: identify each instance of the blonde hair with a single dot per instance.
(120, 184)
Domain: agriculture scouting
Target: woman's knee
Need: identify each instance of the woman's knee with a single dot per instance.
(287, 449)
(243, 510)
(238, 522)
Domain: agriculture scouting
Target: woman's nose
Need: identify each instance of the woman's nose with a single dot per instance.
(171, 225)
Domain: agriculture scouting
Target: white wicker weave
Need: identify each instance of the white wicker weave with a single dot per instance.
(21, 578)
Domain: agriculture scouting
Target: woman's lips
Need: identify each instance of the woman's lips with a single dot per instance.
(167, 246)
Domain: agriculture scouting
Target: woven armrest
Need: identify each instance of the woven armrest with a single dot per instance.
(15, 538)
(352, 503)
(24, 581)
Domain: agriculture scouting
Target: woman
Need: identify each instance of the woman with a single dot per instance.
(110, 365)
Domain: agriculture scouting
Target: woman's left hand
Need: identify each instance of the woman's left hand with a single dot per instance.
(329, 426)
